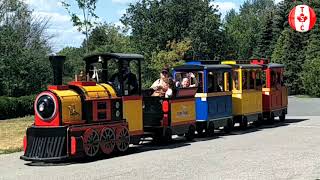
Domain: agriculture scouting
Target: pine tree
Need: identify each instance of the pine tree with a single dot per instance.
(311, 67)
(280, 19)
(264, 46)
(289, 51)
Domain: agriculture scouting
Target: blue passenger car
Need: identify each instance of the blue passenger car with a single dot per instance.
(214, 95)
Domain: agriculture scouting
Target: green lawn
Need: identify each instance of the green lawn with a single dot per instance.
(12, 132)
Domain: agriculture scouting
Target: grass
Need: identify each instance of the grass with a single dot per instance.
(12, 132)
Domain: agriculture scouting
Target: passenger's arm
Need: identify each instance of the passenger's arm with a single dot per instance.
(155, 85)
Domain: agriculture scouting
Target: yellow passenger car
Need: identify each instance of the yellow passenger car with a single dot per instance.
(246, 93)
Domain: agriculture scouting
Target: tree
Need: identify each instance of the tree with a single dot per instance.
(74, 63)
(280, 19)
(108, 38)
(264, 46)
(172, 56)
(311, 66)
(154, 23)
(87, 22)
(24, 67)
(244, 29)
(289, 51)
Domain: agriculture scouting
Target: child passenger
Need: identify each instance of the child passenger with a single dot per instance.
(170, 87)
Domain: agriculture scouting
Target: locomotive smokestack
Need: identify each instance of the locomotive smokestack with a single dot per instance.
(57, 66)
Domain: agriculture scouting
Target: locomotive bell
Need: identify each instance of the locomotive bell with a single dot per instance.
(57, 66)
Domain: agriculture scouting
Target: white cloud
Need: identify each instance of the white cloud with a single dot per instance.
(121, 12)
(123, 2)
(224, 7)
(43, 5)
(119, 24)
(59, 26)
(52, 16)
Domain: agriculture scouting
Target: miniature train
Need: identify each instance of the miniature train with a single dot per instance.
(91, 116)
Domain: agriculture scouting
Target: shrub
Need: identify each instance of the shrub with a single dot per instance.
(12, 107)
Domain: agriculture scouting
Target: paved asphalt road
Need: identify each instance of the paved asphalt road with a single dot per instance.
(290, 150)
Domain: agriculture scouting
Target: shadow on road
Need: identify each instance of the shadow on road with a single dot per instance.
(266, 125)
(149, 145)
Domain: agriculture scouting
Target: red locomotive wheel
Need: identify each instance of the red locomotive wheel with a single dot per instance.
(123, 139)
(91, 142)
(107, 140)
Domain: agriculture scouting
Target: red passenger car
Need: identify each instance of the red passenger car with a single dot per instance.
(274, 91)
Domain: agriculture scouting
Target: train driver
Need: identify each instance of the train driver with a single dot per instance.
(130, 81)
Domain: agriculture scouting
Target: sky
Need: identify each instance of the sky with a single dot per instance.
(110, 11)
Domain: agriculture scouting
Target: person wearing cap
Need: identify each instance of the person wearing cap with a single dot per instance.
(160, 86)
(130, 81)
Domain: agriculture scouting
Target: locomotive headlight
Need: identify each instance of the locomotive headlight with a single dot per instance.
(117, 105)
(45, 106)
(117, 113)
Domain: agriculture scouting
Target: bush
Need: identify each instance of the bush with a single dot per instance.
(12, 107)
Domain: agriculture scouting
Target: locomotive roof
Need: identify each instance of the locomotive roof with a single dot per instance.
(200, 67)
(121, 56)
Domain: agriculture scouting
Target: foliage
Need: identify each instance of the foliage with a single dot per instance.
(24, 67)
(11, 107)
(171, 57)
(264, 46)
(311, 72)
(108, 38)
(154, 23)
(166, 58)
(74, 62)
(289, 51)
(244, 29)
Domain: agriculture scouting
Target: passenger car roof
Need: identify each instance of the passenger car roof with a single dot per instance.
(247, 66)
(274, 65)
(201, 67)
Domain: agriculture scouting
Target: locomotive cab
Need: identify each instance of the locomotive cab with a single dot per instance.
(123, 73)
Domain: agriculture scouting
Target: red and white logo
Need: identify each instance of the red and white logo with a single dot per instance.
(302, 18)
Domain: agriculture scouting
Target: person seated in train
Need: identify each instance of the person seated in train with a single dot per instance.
(130, 81)
(170, 88)
(160, 86)
(219, 84)
(215, 87)
(244, 83)
(186, 81)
